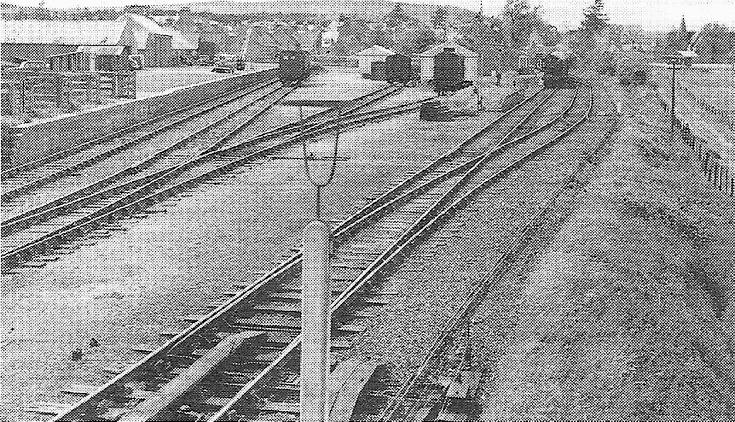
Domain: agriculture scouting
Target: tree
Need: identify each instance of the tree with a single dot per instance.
(595, 19)
(482, 32)
(674, 42)
(378, 37)
(414, 40)
(352, 37)
(397, 16)
(439, 18)
(519, 20)
(714, 43)
(549, 34)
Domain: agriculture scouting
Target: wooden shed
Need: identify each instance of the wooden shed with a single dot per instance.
(368, 56)
(427, 61)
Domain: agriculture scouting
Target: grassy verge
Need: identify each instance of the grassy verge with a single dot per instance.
(630, 311)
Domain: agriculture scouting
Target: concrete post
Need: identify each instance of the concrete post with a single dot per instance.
(315, 321)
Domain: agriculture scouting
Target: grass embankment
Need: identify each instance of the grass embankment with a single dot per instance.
(630, 312)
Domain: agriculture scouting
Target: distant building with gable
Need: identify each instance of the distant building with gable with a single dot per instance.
(150, 40)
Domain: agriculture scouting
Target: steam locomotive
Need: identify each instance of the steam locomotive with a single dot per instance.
(293, 66)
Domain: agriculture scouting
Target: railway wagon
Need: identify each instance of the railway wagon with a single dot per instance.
(632, 75)
(293, 66)
(448, 72)
(398, 69)
(555, 67)
(631, 69)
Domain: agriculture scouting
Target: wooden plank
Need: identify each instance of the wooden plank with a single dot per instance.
(47, 408)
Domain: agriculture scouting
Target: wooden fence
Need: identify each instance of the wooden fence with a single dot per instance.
(719, 174)
(24, 91)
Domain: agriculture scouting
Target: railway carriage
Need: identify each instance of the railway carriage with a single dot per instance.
(293, 66)
(398, 69)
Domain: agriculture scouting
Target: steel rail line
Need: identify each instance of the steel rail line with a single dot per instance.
(290, 264)
(472, 301)
(366, 99)
(430, 218)
(179, 149)
(272, 275)
(53, 160)
(151, 182)
(57, 208)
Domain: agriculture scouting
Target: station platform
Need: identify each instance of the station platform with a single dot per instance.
(151, 81)
(335, 84)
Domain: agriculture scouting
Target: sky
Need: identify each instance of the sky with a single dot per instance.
(565, 14)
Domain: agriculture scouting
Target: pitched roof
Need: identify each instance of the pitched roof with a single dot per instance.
(376, 50)
(458, 49)
(144, 23)
(179, 41)
(63, 32)
(688, 54)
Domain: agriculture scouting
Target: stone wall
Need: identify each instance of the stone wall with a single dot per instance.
(38, 140)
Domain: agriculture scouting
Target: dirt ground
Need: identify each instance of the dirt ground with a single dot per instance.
(627, 313)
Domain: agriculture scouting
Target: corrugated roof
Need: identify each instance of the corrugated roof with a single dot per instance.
(63, 32)
(376, 50)
(458, 49)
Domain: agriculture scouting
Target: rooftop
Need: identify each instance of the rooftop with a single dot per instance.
(63, 32)
(462, 51)
(376, 50)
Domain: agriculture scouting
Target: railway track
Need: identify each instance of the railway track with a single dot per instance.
(158, 154)
(366, 245)
(421, 395)
(21, 180)
(56, 224)
(349, 307)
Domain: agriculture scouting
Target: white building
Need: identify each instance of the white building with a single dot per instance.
(427, 61)
(330, 35)
(366, 57)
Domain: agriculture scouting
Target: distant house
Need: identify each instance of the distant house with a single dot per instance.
(687, 56)
(368, 56)
(39, 40)
(330, 35)
(181, 46)
(309, 37)
(188, 25)
(259, 45)
(285, 37)
(150, 40)
(427, 61)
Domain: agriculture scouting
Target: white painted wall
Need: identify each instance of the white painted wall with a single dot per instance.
(364, 62)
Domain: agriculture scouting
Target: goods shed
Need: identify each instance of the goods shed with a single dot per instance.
(38, 40)
(150, 40)
(368, 56)
(427, 61)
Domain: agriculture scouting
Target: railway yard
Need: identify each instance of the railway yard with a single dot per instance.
(559, 259)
